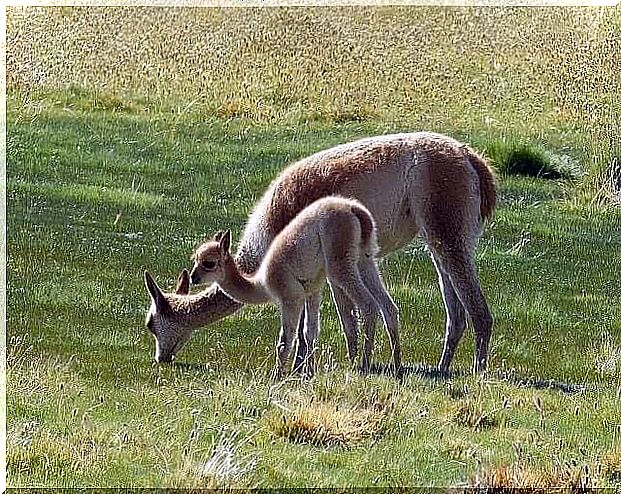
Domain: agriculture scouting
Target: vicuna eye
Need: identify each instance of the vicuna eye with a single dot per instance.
(210, 265)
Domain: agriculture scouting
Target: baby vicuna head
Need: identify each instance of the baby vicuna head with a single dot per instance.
(211, 259)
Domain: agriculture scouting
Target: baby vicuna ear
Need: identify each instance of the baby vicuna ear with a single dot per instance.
(225, 243)
(183, 283)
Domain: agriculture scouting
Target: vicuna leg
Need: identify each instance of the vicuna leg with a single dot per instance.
(301, 349)
(341, 248)
(455, 316)
(311, 331)
(390, 312)
(349, 280)
(290, 311)
(458, 262)
(349, 323)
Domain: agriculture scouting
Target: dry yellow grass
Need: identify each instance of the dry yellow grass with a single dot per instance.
(327, 424)
(559, 479)
(475, 416)
(611, 465)
(335, 63)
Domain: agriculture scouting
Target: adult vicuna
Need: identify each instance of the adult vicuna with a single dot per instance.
(413, 184)
(333, 239)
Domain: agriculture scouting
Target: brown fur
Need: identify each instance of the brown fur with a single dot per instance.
(487, 182)
(338, 171)
(328, 176)
(335, 239)
(413, 184)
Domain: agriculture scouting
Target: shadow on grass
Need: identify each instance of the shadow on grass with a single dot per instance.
(420, 370)
(542, 383)
(189, 367)
(434, 374)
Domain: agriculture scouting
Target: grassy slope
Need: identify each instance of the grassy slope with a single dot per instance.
(544, 76)
(188, 115)
(95, 197)
(532, 73)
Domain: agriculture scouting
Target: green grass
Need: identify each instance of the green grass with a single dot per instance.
(96, 197)
(545, 78)
(530, 160)
(171, 126)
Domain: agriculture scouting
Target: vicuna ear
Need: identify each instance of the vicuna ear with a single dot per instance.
(183, 283)
(218, 235)
(156, 294)
(225, 243)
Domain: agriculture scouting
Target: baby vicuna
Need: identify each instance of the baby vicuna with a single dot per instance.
(335, 239)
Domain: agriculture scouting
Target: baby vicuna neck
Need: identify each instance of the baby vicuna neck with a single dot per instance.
(247, 289)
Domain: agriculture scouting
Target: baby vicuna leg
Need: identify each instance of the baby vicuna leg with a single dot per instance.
(312, 307)
(344, 260)
(390, 313)
(368, 309)
(290, 311)
(349, 322)
(308, 330)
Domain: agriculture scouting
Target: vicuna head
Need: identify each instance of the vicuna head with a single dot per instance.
(165, 318)
(210, 259)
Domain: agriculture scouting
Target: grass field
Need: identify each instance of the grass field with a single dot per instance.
(125, 159)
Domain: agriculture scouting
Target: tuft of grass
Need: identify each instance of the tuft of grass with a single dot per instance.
(559, 478)
(327, 424)
(530, 162)
(225, 466)
(611, 466)
(475, 416)
(512, 157)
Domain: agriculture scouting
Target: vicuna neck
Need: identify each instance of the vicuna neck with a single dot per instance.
(202, 308)
(244, 289)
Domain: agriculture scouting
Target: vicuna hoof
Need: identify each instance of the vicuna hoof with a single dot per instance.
(480, 368)
(277, 375)
(398, 372)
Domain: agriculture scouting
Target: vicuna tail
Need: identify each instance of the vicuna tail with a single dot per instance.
(487, 182)
(367, 230)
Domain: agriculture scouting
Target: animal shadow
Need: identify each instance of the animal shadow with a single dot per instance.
(432, 373)
(542, 383)
(421, 370)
